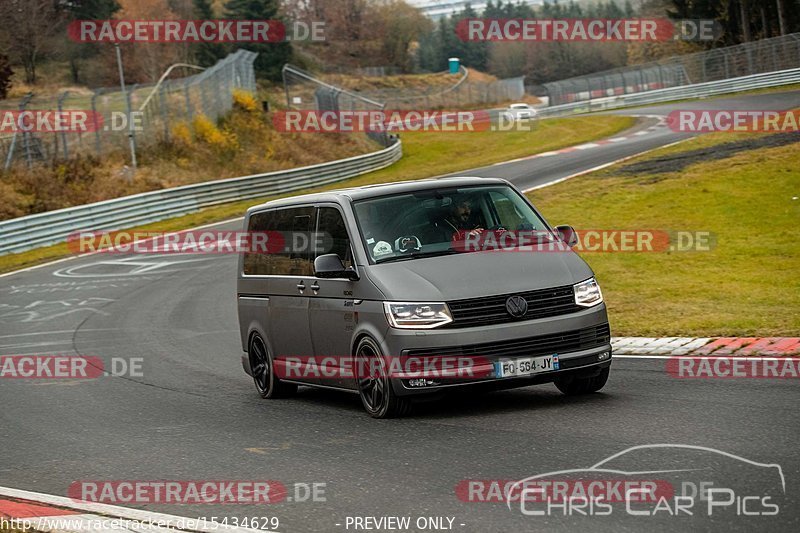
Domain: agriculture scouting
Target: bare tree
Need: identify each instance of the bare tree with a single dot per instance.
(29, 28)
(401, 25)
(145, 62)
(744, 9)
(781, 17)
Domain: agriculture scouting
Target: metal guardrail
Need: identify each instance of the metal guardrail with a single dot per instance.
(717, 64)
(26, 233)
(698, 90)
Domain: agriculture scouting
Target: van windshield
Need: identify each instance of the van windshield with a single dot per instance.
(447, 221)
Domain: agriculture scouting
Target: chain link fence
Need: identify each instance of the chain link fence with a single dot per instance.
(305, 92)
(464, 93)
(159, 108)
(766, 55)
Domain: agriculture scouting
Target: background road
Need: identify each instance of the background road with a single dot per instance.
(194, 414)
(647, 135)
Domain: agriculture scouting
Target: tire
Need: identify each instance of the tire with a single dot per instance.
(267, 385)
(574, 385)
(376, 393)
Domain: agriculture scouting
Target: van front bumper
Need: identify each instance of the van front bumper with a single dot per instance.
(581, 340)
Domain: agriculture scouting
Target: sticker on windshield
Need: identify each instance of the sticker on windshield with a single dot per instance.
(381, 249)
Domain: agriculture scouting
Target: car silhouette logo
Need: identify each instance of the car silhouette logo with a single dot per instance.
(517, 306)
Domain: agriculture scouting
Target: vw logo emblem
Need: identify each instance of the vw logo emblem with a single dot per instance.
(517, 306)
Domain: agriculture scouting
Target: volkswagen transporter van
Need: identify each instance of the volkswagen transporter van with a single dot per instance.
(403, 290)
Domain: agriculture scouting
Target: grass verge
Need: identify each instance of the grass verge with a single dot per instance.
(425, 154)
(748, 284)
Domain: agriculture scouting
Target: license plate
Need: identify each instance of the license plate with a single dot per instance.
(525, 366)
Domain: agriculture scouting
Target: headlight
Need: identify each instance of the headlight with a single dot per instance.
(587, 293)
(417, 316)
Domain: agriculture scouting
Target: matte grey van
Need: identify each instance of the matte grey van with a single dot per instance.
(411, 272)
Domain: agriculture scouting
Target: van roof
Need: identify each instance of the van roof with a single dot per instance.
(381, 189)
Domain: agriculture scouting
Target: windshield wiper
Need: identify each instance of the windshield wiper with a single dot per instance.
(416, 255)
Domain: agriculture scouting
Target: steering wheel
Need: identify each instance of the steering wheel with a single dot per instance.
(497, 227)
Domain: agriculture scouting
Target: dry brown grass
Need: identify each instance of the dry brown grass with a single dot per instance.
(411, 82)
(244, 143)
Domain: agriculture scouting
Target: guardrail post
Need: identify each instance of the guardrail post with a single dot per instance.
(131, 127)
(774, 56)
(60, 104)
(97, 145)
(188, 97)
(164, 115)
(725, 58)
(204, 100)
(797, 41)
(11, 149)
(26, 135)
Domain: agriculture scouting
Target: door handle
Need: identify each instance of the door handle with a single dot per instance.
(301, 286)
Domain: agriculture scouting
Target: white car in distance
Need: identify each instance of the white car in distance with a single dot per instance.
(521, 112)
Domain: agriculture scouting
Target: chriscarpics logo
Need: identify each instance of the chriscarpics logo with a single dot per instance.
(654, 480)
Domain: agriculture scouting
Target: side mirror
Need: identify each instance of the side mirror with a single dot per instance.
(568, 235)
(329, 266)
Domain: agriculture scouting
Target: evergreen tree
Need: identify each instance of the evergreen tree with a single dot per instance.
(472, 53)
(5, 76)
(271, 56)
(206, 54)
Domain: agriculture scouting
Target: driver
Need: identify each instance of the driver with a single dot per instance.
(457, 223)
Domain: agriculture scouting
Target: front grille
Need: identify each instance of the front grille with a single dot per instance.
(557, 343)
(492, 310)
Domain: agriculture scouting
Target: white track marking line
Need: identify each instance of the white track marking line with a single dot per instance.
(601, 167)
(63, 259)
(113, 510)
(689, 356)
(40, 333)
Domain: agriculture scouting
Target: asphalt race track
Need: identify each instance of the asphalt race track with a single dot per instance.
(194, 415)
(529, 173)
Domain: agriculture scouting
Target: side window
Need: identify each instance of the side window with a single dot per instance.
(331, 225)
(257, 264)
(295, 225)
